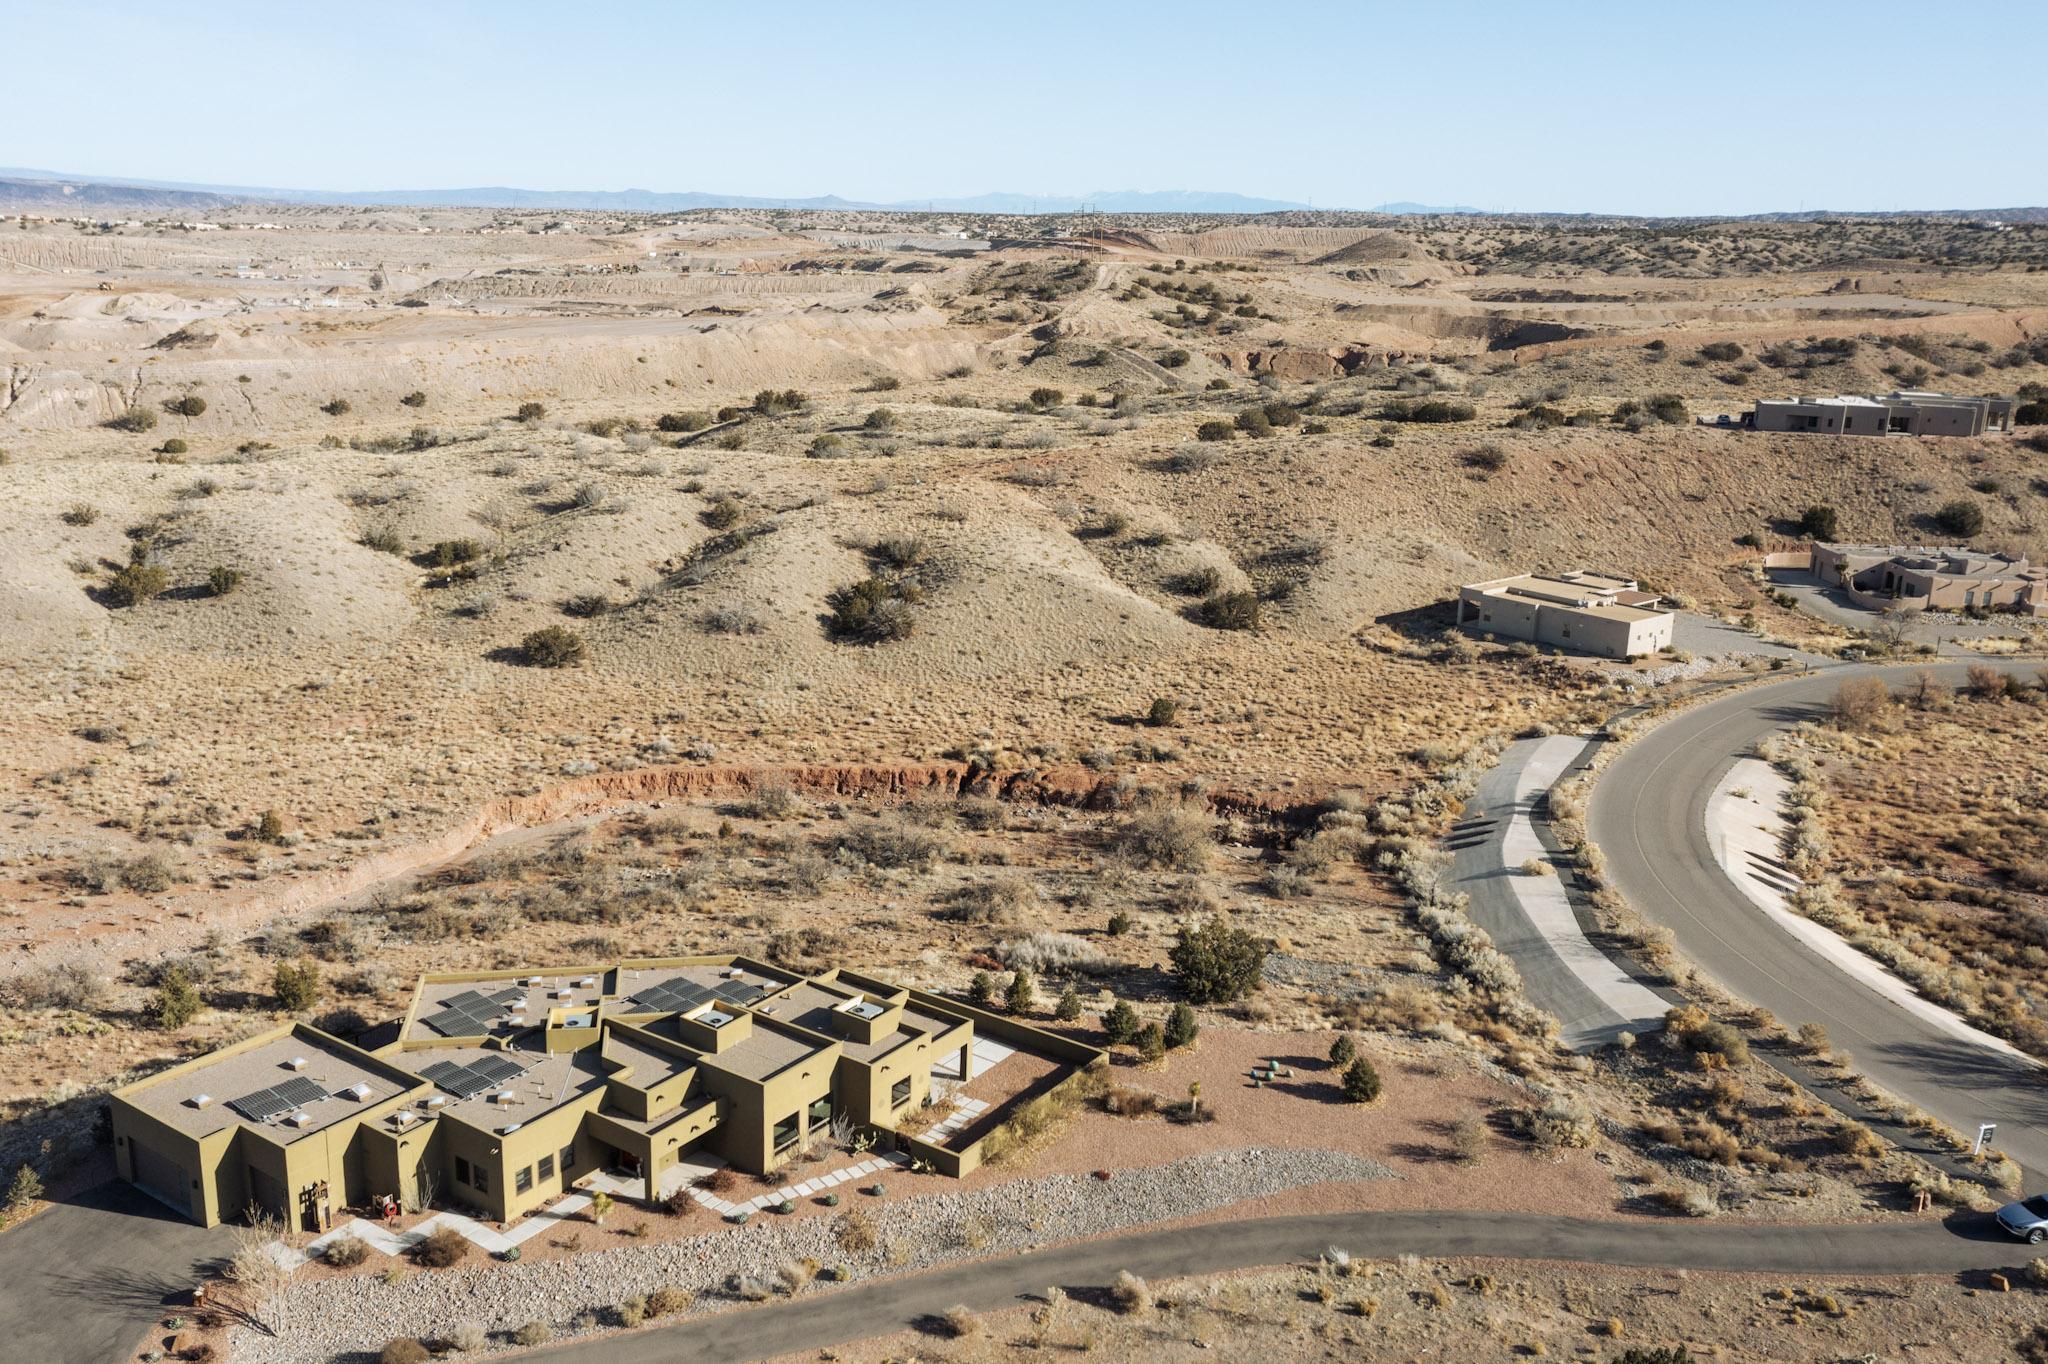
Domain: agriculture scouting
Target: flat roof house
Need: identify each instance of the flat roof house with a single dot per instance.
(1943, 578)
(1586, 612)
(504, 1087)
(1909, 412)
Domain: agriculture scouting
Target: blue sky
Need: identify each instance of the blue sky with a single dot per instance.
(1653, 107)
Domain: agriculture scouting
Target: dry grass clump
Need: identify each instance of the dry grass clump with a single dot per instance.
(1171, 837)
(1050, 954)
(345, 1252)
(669, 1301)
(856, 1232)
(1561, 1122)
(441, 1247)
(1859, 704)
(1131, 1294)
(960, 1323)
(1006, 901)
(892, 845)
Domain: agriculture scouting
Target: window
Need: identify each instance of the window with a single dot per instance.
(899, 1093)
(547, 1167)
(821, 1112)
(461, 1170)
(522, 1181)
(568, 1158)
(483, 1180)
(787, 1130)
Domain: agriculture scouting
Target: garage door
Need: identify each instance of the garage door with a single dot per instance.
(157, 1175)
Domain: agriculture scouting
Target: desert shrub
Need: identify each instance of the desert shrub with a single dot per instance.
(1202, 581)
(1126, 1101)
(1960, 518)
(297, 984)
(734, 618)
(1022, 995)
(1121, 1023)
(80, 514)
(875, 610)
(1163, 711)
(404, 1350)
(530, 412)
(1175, 358)
(134, 584)
(552, 646)
(174, 446)
(682, 421)
(1854, 1139)
(1216, 964)
(1489, 458)
(221, 580)
(1430, 411)
(1181, 1026)
(382, 539)
(1254, 422)
(1819, 522)
(177, 1002)
(771, 402)
(1721, 350)
(586, 605)
(981, 990)
(893, 845)
(440, 1248)
(1361, 1081)
(1669, 408)
(345, 1252)
(1173, 837)
(414, 399)
(898, 551)
(1343, 1051)
(668, 1301)
(337, 407)
(1131, 1294)
(1215, 430)
(959, 1322)
(1068, 1009)
(449, 553)
(1859, 702)
(1151, 1041)
(66, 985)
(1229, 611)
(134, 421)
(1563, 1122)
(533, 1332)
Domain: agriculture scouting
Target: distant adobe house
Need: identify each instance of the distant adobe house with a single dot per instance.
(1586, 612)
(1908, 412)
(504, 1087)
(1945, 578)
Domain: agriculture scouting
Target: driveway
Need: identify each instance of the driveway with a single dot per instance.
(1837, 607)
(81, 1281)
(1649, 817)
(1535, 919)
(836, 1316)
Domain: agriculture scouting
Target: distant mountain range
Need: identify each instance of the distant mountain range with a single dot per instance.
(26, 187)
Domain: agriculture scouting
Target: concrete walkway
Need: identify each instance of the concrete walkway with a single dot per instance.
(882, 1307)
(1533, 918)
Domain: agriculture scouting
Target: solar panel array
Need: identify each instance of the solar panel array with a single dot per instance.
(679, 995)
(266, 1104)
(479, 1076)
(471, 1013)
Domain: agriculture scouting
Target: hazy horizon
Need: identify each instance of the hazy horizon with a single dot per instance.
(1606, 109)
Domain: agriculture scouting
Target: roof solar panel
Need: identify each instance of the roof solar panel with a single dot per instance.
(479, 1076)
(266, 1104)
(496, 1069)
(471, 1013)
(738, 992)
(671, 996)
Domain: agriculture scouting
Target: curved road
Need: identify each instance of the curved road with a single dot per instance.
(830, 1317)
(1649, 818)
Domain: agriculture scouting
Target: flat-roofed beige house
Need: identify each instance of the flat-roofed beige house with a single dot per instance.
(504, 1087)
(1938, 578)
(1587, 612)
(1906, 412)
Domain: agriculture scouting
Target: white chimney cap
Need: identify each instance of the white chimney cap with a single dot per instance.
(200, 1100)
(296, 1063)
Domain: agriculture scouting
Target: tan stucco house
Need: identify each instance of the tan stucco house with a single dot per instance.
(1944, 578)
(1586, 612)
(504, 1087)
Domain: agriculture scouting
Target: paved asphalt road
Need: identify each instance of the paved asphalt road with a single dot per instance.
(82, 1280)
(835, 1316)
(1649, 818)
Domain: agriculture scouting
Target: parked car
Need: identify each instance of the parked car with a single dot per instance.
(2026, 1219)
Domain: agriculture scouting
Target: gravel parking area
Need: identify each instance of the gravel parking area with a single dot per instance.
(325, 1319)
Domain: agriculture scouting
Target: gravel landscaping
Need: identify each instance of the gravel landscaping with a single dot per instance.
(323, 1319)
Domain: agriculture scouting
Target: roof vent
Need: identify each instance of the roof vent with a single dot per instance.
(200, 1100)
(509, 1128)
(436, 1100)
(588, 982)
(296, 1063)
(405, 1117)
(300, 1119)
(503, 1096)
(357, 1091)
